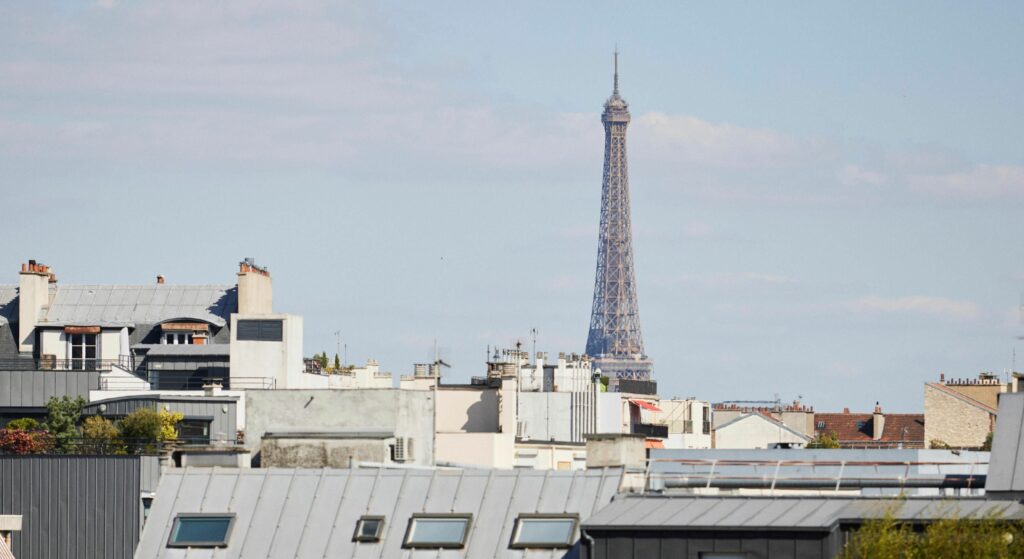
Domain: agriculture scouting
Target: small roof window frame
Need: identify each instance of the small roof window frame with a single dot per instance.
(407, 544)
(211, 543)
(514, 542)
(358, 536)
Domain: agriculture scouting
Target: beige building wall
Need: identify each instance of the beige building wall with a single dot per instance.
(486, 450)
(467, 410)
(954, 421)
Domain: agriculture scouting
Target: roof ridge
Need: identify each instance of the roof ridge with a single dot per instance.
(962, 396)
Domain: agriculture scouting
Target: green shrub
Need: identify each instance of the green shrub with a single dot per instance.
(23, 424)
(101, 436)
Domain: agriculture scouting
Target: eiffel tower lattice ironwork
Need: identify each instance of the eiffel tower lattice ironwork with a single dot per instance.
(615, 341)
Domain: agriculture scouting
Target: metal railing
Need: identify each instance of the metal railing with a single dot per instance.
(187, 380)
(53, 364)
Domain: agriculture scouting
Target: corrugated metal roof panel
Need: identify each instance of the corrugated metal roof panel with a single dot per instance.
(313, 513)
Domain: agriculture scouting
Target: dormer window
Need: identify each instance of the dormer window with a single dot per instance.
(174, 338)
(183, 333)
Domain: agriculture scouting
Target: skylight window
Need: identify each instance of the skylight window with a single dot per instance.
(438, 531)
(369, 529)
(544, 530)
(201, 530)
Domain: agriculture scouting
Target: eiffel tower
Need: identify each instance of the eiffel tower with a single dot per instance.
(615, 341)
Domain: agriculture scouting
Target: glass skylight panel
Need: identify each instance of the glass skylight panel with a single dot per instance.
(369, 529)
(544, 530)
(437, 530)
(201, 530)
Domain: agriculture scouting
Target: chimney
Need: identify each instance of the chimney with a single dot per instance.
(160, 280)
(255, 290)
(846, 410)
(33, 297)
(877, 423)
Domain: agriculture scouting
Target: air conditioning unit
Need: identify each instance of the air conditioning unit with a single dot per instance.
(403, 449)
(521, 430)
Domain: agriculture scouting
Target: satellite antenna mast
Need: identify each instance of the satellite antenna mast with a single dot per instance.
(533, 332)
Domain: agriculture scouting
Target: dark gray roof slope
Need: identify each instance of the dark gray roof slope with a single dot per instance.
(313, 513)
(780, 513)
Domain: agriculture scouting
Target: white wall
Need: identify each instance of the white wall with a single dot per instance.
(281, 361)
(754, 431)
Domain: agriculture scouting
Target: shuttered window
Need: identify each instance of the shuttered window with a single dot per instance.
(260, 331)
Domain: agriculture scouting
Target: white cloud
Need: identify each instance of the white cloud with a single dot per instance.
(688, 139)
(917, 304)
(726, 280)
(982, 182)
(855, 175)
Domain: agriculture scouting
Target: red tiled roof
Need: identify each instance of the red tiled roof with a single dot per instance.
(858, 428)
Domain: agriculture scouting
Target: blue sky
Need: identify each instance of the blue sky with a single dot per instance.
(826, 198)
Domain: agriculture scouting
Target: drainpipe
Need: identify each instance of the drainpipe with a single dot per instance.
(589, 543)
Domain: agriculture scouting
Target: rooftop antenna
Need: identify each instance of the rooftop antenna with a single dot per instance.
(533, 332)
(615, 89)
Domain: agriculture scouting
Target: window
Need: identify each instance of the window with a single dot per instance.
(544, 530)
(174, 338)
(260, 331)
(83, 351)
(437, 530)
(201, 530)
(369, 529)
(194, 431)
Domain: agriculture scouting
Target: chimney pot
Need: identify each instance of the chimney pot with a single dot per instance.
(24, 267)
(846, 410)
(160, 279)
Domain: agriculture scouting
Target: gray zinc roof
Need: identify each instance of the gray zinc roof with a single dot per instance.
(127, 305)
(834, 464)
(1006, 470)
(8, 304)
(313, 513)
(780, 513)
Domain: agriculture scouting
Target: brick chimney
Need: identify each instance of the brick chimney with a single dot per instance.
(255, 290)
(33, 297)
(877, 423)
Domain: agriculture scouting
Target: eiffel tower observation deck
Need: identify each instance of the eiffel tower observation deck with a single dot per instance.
(615, 341)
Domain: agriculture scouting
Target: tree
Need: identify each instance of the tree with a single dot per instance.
(337, 361)
(141, 430)
(951, 536)
(169, 425)
(987, 445)
(101, 436)
(824, 440)
(323, 360)
(62, 422)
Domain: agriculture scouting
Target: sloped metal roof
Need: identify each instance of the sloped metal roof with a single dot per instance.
(1006, 471)
(832, 464)
(127, 305)
(781, 513)
(313, 512)
(8, 303)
